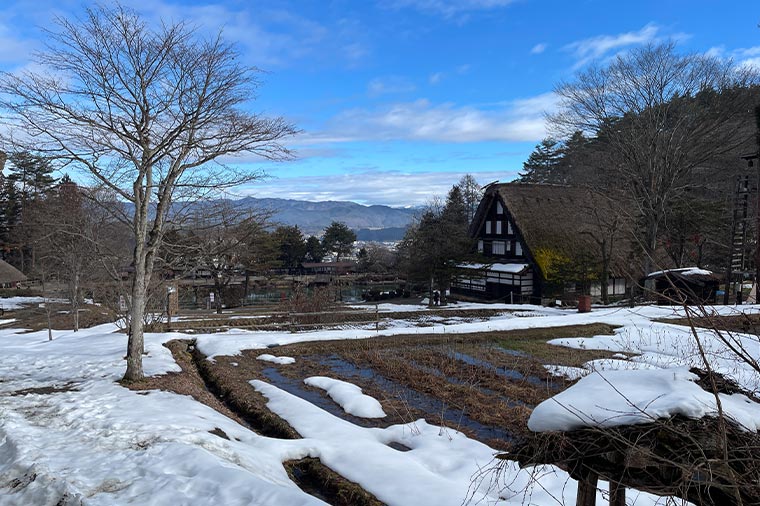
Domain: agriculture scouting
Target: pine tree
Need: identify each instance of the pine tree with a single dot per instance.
(437, 243)
(32, 175)
(542, 164)
(314, 250)
(292, 246)
(338, 238)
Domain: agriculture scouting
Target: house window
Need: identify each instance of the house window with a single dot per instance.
(499, 248)
(518, 248)
(499, 209)
(488, 227)
(480, 246)
(509, 228)
(498, 227)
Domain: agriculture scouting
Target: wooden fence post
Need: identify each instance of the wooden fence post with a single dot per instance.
(587, 490)
(617, 494)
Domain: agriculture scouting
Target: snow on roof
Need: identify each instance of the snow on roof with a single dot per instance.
(614, 398)
(684, 271)
(511, 268)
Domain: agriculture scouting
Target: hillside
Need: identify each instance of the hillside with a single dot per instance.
(313, 217)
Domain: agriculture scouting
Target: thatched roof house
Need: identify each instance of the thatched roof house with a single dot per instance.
(9, 275)
(564, 236)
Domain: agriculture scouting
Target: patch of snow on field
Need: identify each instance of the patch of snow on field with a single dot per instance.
(98, 443)
(234, 341)
(102, 444)
(348, 396)
(655, 382)
(276, 360)
(442, 468)
(566, 371)
(13, 303)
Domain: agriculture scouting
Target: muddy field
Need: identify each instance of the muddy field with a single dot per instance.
(483, 384)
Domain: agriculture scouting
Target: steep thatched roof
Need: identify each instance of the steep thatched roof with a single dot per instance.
(561, 223)
(9, 274)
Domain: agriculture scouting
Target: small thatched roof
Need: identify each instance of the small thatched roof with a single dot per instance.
(9, 274)
(561, 222)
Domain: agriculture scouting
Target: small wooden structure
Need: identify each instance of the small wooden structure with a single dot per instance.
(708, 461)
(689, 285)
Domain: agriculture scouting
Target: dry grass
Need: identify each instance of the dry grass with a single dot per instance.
(35, 318)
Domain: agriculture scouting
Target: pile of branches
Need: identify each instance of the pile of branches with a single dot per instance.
(708, 461)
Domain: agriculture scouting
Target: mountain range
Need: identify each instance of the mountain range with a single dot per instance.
(375, 222)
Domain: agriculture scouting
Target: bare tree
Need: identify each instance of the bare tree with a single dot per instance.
(660, 115)
(472, 193)
(218, 240)
(146, 112)
(67, 230)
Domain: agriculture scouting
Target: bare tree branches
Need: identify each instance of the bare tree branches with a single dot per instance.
(149, 113)
(660, 115)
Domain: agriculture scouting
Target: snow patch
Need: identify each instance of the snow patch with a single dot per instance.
(277, 360)
(349, 396)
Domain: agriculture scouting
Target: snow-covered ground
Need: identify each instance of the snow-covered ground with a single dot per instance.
(93, 442)
(12, 303)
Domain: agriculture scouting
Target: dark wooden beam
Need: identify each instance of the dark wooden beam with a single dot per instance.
(617, 494)
(587, 490)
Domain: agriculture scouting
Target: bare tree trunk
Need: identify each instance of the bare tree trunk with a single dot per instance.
(74, 294)
(135, 343)
(650, 245)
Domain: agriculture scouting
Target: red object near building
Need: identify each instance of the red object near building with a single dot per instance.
(584, 303)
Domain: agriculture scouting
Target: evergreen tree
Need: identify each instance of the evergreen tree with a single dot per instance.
(338, 238)
(543, 163)
(437, 243)
(314, 250)
(291, 245)
(32, 175)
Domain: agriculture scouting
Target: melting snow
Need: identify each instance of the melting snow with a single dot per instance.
(349, 396)
(277, 360)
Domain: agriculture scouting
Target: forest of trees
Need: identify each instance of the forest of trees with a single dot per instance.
(661, 134)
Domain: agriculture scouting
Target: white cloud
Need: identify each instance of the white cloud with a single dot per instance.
(436, 77)
(539, 48)
(268, 37)
(392, 188)
(390, 84)
(448, 8)
(519, 120)
(595, 48)
(743, 57)
(14, 49)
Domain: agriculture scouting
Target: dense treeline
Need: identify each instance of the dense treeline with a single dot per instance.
(662, 135)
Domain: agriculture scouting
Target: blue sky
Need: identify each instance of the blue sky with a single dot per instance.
(399, 98)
